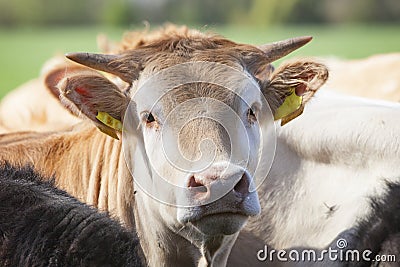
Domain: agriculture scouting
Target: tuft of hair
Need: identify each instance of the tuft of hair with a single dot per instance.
(294, 73)
(379, 232)
(136, 39)
(41, 225)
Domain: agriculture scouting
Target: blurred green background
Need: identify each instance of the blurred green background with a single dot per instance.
(31, 31)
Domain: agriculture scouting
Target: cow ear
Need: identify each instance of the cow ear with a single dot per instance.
(93, 95)
(54, 76)
(291, 86)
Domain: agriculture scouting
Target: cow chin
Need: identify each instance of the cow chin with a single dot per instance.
(223, 223)
(220, 217)
(225, 216)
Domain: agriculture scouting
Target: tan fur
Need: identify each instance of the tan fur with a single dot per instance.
(174, 45)
(135, 39)
(376, 77)
(32, 107)
(57, 153)
(291, 74)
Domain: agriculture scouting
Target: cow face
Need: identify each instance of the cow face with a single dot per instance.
(201, 140)
(192, 120)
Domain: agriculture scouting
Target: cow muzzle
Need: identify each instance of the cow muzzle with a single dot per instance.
(222, 198)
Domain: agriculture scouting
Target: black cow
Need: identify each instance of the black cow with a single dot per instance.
(379, 232)
(41, 225)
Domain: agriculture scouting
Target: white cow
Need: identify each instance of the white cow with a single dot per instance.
(328, 162)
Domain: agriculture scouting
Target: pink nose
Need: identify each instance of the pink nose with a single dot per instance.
(211, 181)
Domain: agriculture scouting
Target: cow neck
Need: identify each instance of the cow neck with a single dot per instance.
(105, 181)
(85, 162)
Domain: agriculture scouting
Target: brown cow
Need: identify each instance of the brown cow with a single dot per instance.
(376, 77)
(32, 107)
(92, 166)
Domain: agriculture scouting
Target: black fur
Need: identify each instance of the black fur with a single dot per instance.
(380, 231)
(41, 225)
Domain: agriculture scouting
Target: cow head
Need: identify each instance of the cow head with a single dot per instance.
(194, 106)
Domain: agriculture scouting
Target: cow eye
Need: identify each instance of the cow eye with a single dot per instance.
(251, 116)
(150, 118)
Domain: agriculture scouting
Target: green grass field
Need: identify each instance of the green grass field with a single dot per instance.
(24, 51)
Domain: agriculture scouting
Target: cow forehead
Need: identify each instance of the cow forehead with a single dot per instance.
(165, 89)
(200, 95)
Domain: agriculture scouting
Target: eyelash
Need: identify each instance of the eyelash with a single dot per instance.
(149, 119)
(251, 115)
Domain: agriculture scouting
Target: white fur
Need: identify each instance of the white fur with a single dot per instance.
(337, 154)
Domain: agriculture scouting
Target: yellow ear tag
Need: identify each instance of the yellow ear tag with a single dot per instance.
(111, 122)
(290, 105)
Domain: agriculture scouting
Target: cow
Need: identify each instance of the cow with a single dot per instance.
(32, 106)
(91, 165)
(41, 225)
(374, 77)
(379, 232)
(33, 211)
(328, 161)
(35, 106)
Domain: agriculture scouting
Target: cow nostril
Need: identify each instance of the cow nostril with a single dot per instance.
(242, 187)
(198, 186)
(193, 182)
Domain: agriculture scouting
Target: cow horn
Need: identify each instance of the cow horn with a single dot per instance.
(279, 49)
(107, 63)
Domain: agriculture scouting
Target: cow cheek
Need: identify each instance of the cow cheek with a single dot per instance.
(162, 165)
